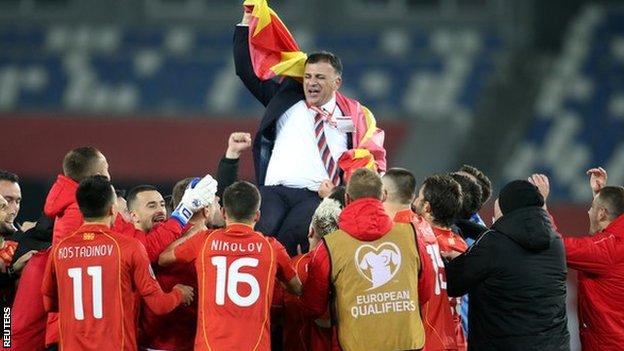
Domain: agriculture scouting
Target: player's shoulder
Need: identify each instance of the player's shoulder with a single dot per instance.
(124, 241)
(271, 240)
(203, 236)
(301, 259)
(85, 235)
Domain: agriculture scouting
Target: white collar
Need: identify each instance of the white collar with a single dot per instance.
(330, 105)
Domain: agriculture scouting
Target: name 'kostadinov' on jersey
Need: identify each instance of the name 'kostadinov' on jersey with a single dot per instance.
(85, 251)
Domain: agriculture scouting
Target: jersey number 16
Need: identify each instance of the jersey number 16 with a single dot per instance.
(231, 277)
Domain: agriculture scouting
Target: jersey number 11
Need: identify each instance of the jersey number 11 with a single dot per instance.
(95, 272)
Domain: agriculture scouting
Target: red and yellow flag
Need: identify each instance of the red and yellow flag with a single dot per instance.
(274, 52)
(273, 49)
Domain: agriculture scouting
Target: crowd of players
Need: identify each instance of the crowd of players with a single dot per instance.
(312, 257)
(181, 273)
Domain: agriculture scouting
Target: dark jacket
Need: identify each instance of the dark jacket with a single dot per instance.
(276, 96)
(227, 174)
(37, 238)
(515, 275)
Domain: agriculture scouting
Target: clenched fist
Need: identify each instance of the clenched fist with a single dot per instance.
(237, 143)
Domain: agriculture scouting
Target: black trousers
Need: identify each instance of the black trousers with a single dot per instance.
(285, 213)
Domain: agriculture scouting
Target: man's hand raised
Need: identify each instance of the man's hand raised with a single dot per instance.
(197, 196)
(247, 9)
(542, 184)
(597, 179)
(237, 143)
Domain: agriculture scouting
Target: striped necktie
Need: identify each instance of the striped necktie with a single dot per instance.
(321, 141)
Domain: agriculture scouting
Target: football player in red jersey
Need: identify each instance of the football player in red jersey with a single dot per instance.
(438, 203)
(301, 332)
(236, 271)
(93, 274)
(400, 189)
(176, 330)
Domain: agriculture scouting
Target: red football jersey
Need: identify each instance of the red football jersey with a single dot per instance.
(7, 250)
(437, 313)
(449, 241)
(28, 313)
(236, 270)
(175, 330)
(300, 331)
(92, 278)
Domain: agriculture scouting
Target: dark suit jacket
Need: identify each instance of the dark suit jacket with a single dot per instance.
(276, 96)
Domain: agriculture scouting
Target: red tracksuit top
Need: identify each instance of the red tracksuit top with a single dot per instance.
(599, 260)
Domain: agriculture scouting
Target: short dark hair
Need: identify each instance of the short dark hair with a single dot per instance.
(9, 176)
(134, 192)
(120, 193)
(169, 204)
(338, 194)
(444, 196)
(484, 181)
(612, 197)
(95, 196)
(326, 56)
(405, 184)
(178, 191)
(241, 201)
(78, 163)
(472, 195)
(365, 183)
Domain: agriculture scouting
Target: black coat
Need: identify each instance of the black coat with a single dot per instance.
(276, 96)
(515, 275)
(37, 238)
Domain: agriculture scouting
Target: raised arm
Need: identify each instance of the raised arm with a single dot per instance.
(597, 179)
(262, 90)
(156, 240)
(227, 173)
(195, 198)
(591, 254)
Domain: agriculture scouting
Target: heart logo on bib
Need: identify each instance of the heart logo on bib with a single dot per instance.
(378, 264)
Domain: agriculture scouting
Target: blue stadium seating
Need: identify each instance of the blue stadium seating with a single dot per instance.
(584, 128)
(146, 69)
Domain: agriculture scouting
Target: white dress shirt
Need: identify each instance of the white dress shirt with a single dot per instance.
(296, 161)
